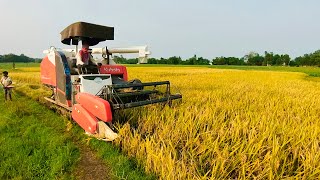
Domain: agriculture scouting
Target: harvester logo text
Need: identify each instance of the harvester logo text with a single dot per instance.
(112, 70)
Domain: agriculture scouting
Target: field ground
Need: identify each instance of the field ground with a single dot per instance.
(38, 143)
(33, 142)
(234, 122)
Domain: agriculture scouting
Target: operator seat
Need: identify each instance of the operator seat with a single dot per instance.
(81, 69)
(90, 69)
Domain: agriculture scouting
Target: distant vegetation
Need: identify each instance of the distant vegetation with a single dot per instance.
(171, 60)
(251, 59)
(17, 58)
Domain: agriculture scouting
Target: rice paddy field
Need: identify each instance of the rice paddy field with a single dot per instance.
(231, 124)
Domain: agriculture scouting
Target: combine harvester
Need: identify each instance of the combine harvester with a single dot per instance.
(93, 93)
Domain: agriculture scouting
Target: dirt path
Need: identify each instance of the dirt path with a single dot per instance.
(90, 167)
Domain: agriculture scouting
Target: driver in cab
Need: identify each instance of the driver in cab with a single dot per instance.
(84, 59)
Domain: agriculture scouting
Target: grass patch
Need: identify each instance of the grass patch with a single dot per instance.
(122, 166)
(311, 71)
(32, 143)
(9, 66)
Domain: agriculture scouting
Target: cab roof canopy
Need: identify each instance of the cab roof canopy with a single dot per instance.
(92, 33)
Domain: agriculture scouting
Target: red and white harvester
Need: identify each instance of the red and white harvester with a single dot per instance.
(93, 94)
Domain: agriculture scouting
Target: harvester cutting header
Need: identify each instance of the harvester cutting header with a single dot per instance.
(93, 90)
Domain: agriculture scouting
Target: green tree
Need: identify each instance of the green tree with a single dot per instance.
(219, 61)
(174, 60)
(286, 59)
(202, 61)
(254, 58)
(120, 59)
(268, 58)
(315, 58)
(192, 60)
(152, 61)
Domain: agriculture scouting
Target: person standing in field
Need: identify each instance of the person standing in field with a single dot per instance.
(6, 83)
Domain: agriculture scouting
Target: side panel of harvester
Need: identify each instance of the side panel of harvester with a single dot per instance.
(95, 105)
(48, 69)
(84, 118)
(55, 73)
(64, 80)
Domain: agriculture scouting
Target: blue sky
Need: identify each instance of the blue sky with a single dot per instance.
(170, 28)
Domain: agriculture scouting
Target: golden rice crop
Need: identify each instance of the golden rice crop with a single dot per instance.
(30, 75)
(230, 124)
(27, 81)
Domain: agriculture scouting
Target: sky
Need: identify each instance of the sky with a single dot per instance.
(207, 28)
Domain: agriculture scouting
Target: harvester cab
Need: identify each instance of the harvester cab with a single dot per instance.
(92, 93)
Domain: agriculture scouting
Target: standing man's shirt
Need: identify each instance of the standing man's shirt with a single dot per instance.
(84, 57)
(6, 81)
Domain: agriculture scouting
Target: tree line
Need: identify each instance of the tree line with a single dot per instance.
(17, 58)
(252, 58)
(171, 60)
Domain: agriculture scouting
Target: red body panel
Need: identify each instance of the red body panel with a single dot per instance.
(95, 105)
(114, 70)
(84, 118)
(48, 72)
